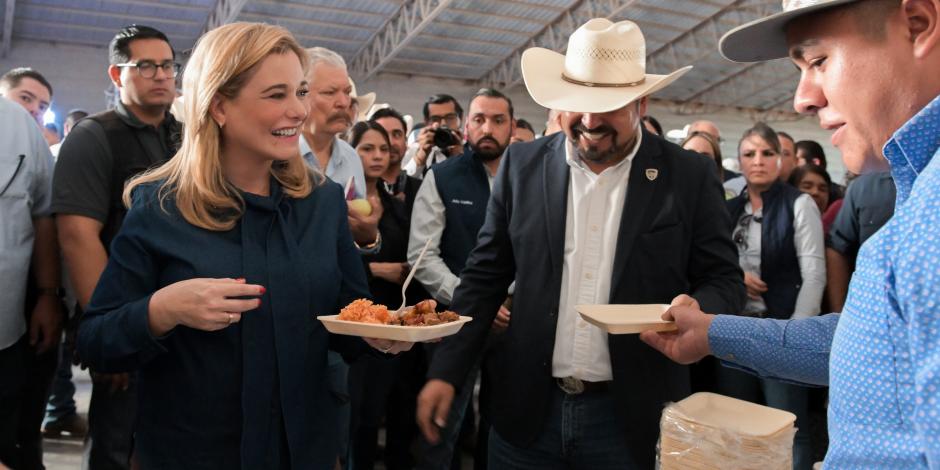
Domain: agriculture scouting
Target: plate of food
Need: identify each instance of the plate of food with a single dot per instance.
(417, 323)
(626, 319)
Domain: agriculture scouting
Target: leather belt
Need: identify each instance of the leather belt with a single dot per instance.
(575, 386)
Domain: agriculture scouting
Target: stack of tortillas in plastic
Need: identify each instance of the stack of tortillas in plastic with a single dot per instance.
(708, 431)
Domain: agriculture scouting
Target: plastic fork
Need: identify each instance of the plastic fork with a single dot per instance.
(411, 275)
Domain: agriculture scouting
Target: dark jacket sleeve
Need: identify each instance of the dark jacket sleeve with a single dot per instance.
(353, 285)
(114, 335)
(715, 276)
(489, 271)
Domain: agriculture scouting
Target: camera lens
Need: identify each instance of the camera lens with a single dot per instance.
(444, 138)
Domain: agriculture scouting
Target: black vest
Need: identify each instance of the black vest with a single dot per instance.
(130, 157)
(464, 188)
(779, 265)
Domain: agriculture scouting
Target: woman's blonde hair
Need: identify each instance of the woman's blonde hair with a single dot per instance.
(223, 61)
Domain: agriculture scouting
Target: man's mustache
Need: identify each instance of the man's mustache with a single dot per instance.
(579, 128)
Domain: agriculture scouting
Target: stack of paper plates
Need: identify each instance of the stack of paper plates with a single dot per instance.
(708, 431)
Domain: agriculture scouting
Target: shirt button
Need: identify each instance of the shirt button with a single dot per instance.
(588, 276)
(594, 228)
(729, 357)
(582, 324)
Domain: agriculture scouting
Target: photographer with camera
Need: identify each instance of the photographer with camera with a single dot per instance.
(439, 139)
(449, 209)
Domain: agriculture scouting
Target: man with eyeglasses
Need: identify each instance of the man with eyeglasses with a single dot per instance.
(102, 152)
(449, 210)
(441, 112)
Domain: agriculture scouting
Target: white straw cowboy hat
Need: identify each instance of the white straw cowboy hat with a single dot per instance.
(365, 101)
(603, 69)
(766, 38)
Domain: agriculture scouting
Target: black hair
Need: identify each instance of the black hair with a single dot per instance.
(119, 50)
(13, 78)
(360, 129)
(653, 122)
(522, 123)
(440, 98)
(74, 116)
(392, 113)
(801, 171)
(812, 151)
(493, 93)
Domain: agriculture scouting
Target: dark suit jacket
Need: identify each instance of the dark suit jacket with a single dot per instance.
(674, 239)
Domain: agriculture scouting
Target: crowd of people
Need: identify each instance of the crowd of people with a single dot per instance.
(181, 245)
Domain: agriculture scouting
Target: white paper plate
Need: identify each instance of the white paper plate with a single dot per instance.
(626, 319)
(393, 332)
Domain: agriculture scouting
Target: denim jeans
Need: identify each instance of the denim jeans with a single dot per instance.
(62, 399)
(794, 399)
(440, 456)
(775, 394)
(581, 432)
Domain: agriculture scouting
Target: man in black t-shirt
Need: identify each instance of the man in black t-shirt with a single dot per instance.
(101, 153)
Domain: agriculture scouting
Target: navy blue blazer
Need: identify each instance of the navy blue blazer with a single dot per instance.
(250, 394)
(673, 239)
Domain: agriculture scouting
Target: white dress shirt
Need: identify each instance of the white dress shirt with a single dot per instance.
(428, 220)
(808, 239)
(592, 226)
(410, 165)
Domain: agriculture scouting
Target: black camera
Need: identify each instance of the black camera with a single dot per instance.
(445, 137)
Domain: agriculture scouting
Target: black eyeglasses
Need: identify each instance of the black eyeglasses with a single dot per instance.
(740, 232)
(148, 68)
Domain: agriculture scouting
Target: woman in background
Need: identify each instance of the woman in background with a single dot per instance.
(228, 253)
(815, 181)
(705, 144)
(386, 390)
(779, 236)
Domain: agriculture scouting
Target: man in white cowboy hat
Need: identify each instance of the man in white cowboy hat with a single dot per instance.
(359, 106)
(870, 71)
(602, 212)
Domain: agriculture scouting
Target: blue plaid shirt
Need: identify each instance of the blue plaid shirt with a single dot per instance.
(881, 356)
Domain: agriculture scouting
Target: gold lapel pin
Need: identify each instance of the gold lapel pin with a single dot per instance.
(651, 174)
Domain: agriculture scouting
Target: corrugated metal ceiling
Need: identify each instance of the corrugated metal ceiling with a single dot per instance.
(467, 39)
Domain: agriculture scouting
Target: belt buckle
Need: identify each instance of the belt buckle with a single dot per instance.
(571, 385)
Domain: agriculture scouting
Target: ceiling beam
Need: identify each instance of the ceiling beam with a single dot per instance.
(9, 10)
(222, 13)
(282, 20)
(754, 114)
(495, 16)
(412, 18)
(508, 73)
(703, 37)
(280, 5)
(89, 12)
(743, 85)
